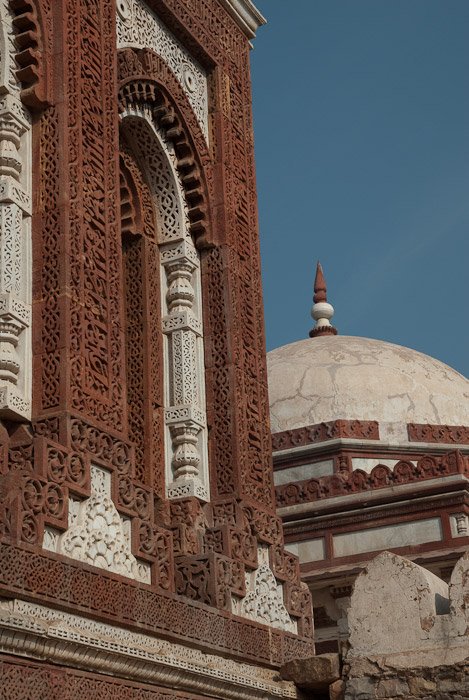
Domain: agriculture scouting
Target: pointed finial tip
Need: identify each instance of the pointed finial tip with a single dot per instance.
(322, 311)
(320, 288)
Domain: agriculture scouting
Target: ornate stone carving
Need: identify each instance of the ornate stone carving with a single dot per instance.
(139, 27)
(36, 575)
(458, 434)
(186, 444)
(381, 476)
(333, 430)
(97, 533)
(15, 244)
(263, 601)
(117, 651)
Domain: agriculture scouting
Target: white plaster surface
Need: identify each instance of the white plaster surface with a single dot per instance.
(303, 471)
(342, 377)
(391, 536)
(394, 607)
(308, 550)
(402, 614)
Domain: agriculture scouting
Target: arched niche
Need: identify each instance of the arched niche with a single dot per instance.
(180, 299)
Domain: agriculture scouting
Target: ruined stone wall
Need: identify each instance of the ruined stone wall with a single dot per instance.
(382, 680)
(408, 632)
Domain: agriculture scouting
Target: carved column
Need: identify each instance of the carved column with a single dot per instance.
(15, 246)
(185, 416)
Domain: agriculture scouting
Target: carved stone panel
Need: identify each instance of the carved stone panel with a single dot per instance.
(263, 601)
(139, 27)
(97, 534)
(15, 235)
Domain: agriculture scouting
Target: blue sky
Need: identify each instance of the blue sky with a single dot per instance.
(361, 125)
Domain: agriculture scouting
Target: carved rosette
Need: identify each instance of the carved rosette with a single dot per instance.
(15, 245)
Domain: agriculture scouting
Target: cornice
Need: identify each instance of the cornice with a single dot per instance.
(39, 632)
(282, 457)
(246, 15)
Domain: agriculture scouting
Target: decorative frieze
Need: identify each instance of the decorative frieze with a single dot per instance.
(36, 631)
(421, 432)
(380, 476)
(139, 27)
(320, 432)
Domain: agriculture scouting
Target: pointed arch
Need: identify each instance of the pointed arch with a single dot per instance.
(183, 395)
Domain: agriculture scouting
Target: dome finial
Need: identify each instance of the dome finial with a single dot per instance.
(322, 311)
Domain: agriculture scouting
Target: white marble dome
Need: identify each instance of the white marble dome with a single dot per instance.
(341, 377)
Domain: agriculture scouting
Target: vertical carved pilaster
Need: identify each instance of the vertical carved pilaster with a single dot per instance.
(185, 417)
(15, 273)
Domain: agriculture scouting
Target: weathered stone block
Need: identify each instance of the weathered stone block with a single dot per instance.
(314, 673)
(362, 688)
(392, 583)
(337, 690)
(420, 686)
(392, 687)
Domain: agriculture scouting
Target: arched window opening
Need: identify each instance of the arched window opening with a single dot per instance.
(172, 389)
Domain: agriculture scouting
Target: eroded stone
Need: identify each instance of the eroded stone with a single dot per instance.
(315, 673)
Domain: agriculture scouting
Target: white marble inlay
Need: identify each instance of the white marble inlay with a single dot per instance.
(97, 534)
(40, 632)
(389, 537)
(186, 446)
(304, 471)
(308, 550)
(263, 601)
(15, 233)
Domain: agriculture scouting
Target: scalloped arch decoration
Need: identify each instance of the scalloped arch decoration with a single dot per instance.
(145, 79)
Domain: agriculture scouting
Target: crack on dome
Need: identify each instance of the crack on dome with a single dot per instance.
(374, 375)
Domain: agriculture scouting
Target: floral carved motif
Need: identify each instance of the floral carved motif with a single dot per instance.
(263, 601)
(112, 645)
(362, 430)
(203, 233)
(381, 476)
(97, 533)
(182, 306)
(75, 586)
(146, 79)
(458, 434)
(15, 232)
(143, 336)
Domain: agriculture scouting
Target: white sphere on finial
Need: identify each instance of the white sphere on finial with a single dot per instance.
(322, 311)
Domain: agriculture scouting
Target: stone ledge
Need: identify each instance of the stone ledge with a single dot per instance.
(38, 632)
(246, 15)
